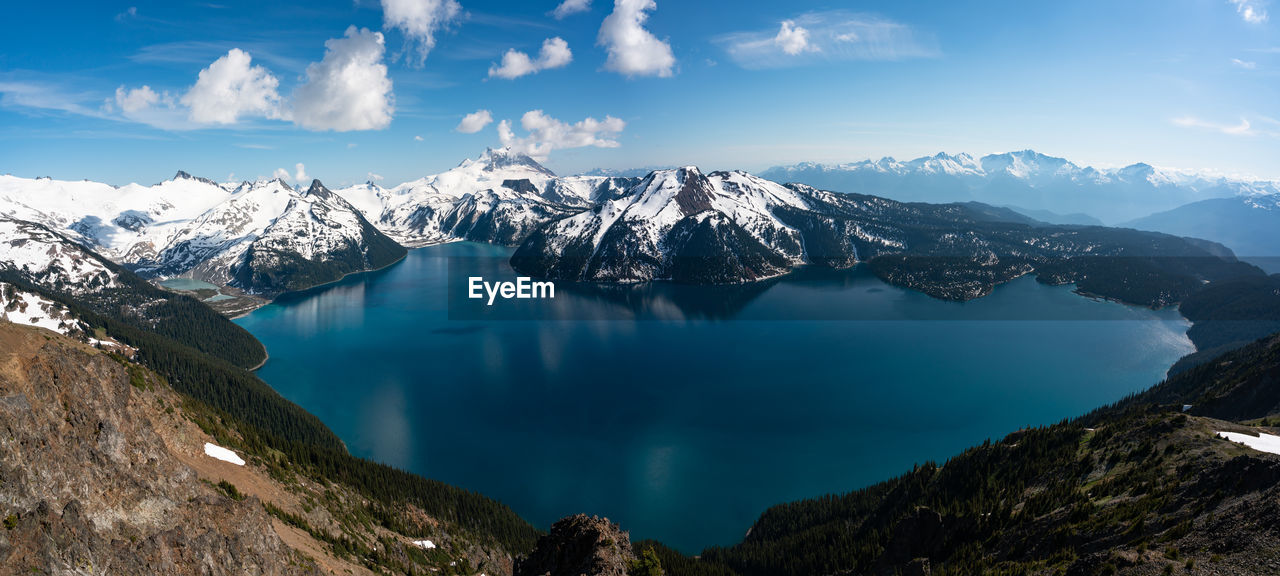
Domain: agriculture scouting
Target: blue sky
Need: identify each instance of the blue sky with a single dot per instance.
(134, 91)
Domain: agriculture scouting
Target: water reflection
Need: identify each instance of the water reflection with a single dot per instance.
(686, 427)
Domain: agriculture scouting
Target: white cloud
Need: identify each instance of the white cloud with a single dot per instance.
(419, 20)
(473, 122)
(348, 89)
(132, 12)
(417, 138)
(1242, 64)
(547, 134)
(281, 174)
(300, 174)
(569, 7)
(146, 106)
(822, 37)
(138, 98)
(555, 54)
(634, 51)
(793, 39)
(375, 177)
(230, 88)
(1251, 11)
(1244, 128)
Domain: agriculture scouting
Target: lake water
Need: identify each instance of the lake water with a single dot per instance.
(189, 284)
(683, 412)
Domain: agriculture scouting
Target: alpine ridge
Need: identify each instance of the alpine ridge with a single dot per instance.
(266, 238)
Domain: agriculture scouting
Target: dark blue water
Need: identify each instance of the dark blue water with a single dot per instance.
(686, 428)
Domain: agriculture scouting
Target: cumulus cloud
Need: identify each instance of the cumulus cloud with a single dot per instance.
(793, 39)
(821, 37)
(230, 88)
(147, 106)
(473, 122)
(633, 50)
(419, 20)
(137, 98)
(569, 7)
(300, 173)
(555, 53)
(417, 138)
(348, 89)
(1251, 11)
(281, 174)
(546, 134)
(375, 177)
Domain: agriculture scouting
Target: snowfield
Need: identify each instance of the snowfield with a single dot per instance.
(223, 454)
(1262, 442)
(21, 307)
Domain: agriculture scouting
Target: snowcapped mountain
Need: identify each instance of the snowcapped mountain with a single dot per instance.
(319, 237)
(207, 246)
(500, 198)
(676, 224)
(268, 237)
(1025, 179)
(197, 228)
(731, 227)
(41, 256)
(126, 223)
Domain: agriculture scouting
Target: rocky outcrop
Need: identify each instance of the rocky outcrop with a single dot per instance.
(577, 546)
(88, 485)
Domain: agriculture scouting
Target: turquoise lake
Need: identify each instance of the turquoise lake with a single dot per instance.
(682, 412)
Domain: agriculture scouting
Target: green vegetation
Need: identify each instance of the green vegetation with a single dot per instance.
(11, 522)
(646, 564)
(230, 490)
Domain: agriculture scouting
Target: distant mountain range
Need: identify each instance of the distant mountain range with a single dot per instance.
(1249, 225)
(1026, 179)
(268, 237)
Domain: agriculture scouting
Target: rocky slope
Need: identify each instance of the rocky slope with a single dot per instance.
(90, 486)
(579, 545)
(104, 469)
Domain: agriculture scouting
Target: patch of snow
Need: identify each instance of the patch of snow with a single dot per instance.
(215, 451)
(1269, 443)
(424, 544)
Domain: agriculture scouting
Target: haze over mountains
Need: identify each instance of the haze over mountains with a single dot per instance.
(1025, 180)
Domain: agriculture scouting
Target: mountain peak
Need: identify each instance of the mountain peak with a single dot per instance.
(499, 158)
(317, 187)
(184, 175)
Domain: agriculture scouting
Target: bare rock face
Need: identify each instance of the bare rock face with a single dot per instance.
(88, 486)
(579, 546)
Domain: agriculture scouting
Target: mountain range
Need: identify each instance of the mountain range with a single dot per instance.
(267, 237)
(1025, 180)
